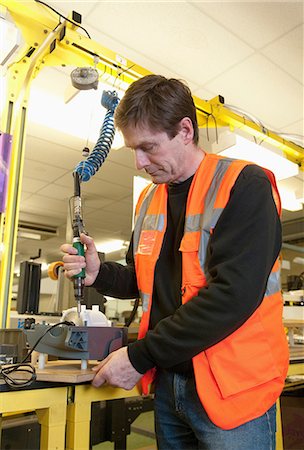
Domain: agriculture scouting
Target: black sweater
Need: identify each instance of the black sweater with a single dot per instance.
(241, 252)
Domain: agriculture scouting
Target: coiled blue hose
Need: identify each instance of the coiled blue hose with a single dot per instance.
(86, 169)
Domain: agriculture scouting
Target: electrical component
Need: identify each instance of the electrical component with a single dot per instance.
(27, 370)
(84, 78)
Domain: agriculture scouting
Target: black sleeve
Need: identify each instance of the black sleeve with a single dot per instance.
(117, 280)
(242, 250)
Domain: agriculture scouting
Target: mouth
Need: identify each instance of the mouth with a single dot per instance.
(152, 174)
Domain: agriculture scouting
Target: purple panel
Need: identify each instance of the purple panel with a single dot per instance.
(5, 157)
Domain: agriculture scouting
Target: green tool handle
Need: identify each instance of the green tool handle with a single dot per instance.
(80, 249)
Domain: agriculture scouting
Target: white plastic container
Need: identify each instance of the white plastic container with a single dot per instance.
(88, 317)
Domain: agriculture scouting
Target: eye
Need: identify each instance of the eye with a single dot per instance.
(148, 148)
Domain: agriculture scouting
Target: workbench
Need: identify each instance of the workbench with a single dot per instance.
(64, 410)
(80, 399)
(48, 400)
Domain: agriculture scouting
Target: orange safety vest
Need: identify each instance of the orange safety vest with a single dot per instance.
(241, 377)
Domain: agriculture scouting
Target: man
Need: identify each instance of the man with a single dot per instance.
(204, 259)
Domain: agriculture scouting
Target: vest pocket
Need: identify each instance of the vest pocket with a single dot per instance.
(193, 275)
(243, 360)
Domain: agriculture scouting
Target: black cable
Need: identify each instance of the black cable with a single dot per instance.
(121, 73)
(19, 367)
(215, 125)
(24, 367)
(60, 15)
(133, 313)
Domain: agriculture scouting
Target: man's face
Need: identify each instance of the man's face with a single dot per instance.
(164, 159)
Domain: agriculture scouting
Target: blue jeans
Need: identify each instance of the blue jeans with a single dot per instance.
(182, 424)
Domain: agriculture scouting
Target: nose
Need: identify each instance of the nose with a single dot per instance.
(141, 159)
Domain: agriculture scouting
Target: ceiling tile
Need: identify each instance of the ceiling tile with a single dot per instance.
(56, 136)
(57, 192)
(83, 7)
(31, 185)
(93, 201)
(105, 189)
(45, 204)
(46, 151)
(122, 207)
(256, 23)
(52, 79)
(123, 156)
(24, 196)
(277, 100)
(111, 171)
(43, 172)
(294, 128)
(288, 52)
(192, 49)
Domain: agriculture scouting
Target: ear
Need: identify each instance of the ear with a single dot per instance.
(186, 130)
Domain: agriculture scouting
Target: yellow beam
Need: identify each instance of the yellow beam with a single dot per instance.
(294, 152)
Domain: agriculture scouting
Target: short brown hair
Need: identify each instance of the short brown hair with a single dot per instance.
(159, 103)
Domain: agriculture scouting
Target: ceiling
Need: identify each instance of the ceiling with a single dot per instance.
(251, 53)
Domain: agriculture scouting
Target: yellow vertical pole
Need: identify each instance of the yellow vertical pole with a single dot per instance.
(20, 76)
(16, 126)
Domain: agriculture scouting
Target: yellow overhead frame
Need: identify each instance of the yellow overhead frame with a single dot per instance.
(51, 42)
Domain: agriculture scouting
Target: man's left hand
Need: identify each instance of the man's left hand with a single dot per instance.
(116, 370)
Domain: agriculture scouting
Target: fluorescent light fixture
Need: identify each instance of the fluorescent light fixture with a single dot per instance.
(289, 201)
(29, 235)
(82, 116)
(298, 260)
(249, 151)
(111, 245)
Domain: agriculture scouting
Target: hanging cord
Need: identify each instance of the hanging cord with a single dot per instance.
(26, 368)
(86, 169)
(215, 126)
(297, 139)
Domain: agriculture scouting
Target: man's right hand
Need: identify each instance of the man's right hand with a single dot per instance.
(73, 263)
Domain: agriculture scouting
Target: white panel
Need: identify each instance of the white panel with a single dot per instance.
(294, 184)
(119, 207)
(287, 53)
(55, 136)
(105, 189)
(45, 151)
(52, 79)
(174, 34)
(257, 23)
(44, 204)
(91, 202)
(277, 99)
(117, 173)
(82, 7)
(123, 156)
(31, 185)
(204, 94)
(40, 171)
(294, 128)
(57, 192)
